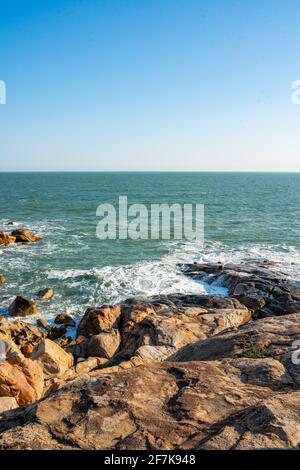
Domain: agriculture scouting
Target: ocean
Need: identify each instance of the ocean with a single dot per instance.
(247, 216)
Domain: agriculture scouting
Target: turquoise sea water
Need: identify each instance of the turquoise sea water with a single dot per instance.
(246, 216)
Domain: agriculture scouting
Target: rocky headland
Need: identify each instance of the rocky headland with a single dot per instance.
(164, 372)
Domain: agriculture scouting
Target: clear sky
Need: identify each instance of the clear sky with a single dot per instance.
(150, 85)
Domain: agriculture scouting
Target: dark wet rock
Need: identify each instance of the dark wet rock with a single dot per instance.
(56, 332)
(22, 307)
(265, 291)
(64, 319)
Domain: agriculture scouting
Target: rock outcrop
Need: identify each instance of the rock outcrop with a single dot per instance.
(162, 406)
(23, 235)
(45, 294)
(6, 239)
(265, 291)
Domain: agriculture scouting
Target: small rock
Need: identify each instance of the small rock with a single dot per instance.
(22, 307)
(64, 319)
(7, 403)
(45, 294)
(27, 350)
(53, 359)
(2, 279)
(104, 344)
(42, 322)
(56, 332)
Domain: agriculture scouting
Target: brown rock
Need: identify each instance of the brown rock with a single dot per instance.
(24, 236)
(45, 294)
(21, 378)
(100, 319)
(53, 359)
(104, 344)
(22, 307)
(64, 319)
(27, 350)
(2, 279)
(19, 332)
(7, 403)
(56, 332)
(42, 322)
(162, 406)
(6, 239)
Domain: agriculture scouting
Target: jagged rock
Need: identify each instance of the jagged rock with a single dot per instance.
(20, 378)
(7, 403)
(64, 319)
(6, 239)
(162, 406)
(105, 344)
(22, 307)
(175, 320)
(2, 279)
(52, 358)
(20, 332)
(99, 319)
(267, 292)
(24, 236)
(45, 294)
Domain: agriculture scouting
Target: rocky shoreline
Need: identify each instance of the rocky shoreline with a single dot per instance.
(164, 372)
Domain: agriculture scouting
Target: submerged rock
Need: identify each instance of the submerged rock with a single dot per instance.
(22, 307)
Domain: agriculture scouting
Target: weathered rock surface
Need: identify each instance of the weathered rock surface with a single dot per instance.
(205, 404)
(160, 324)
(265, 291)
(24, 236)
(105, 344)
(22, 307)
(20, 377)
(21, 333)
(52, 358)
(45, 294)
(7, 403)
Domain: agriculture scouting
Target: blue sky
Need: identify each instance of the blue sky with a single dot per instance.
(150, 85)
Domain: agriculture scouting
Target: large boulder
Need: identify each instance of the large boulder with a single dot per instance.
(6, 239)
(22, 307)
(20, 377)
(170, 322)
(98, 319)
(162, 406)
(105, 344)
(22, 235)
(52, 358)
